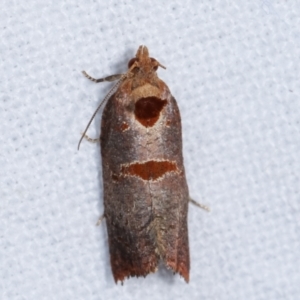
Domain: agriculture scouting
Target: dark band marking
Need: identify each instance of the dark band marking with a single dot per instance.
(150, 170)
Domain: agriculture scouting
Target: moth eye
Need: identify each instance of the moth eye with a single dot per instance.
(155, 65)
(131, 62)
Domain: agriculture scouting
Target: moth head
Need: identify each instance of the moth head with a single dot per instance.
(143, 60)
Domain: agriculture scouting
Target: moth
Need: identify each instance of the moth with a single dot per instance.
(145, 189)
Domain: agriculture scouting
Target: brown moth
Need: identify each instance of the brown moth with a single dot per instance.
(145, 190)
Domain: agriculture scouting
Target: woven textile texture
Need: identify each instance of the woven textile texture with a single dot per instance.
(233, 67)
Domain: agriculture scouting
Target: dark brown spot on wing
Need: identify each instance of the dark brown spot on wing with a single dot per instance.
(124, 126)
(115, 177)
(121, 127)
(147, 110)
(150, 170)
(168, 123)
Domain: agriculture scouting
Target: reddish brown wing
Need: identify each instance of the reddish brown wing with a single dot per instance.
(146, 215)
(131, 242)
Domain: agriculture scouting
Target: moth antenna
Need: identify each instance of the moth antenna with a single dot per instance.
(96, 111)
(160, 65)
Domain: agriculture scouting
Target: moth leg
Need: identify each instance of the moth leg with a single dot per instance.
(108, 78)
(100, 220)
(199, 204)
(91, 140)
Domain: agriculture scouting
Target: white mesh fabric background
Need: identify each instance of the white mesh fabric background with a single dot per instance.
(234, 70)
